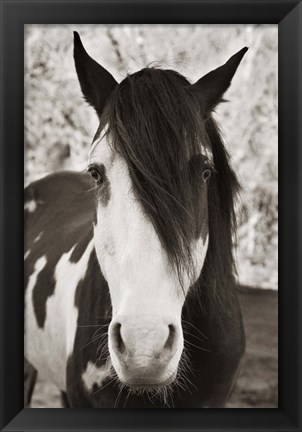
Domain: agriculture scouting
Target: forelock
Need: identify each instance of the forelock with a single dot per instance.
(154, 123)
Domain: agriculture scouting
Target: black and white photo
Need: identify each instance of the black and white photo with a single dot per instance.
(151, 216)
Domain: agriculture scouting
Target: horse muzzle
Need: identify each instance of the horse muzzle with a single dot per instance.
(145, 355)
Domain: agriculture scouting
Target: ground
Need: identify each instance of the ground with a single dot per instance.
(257, 384)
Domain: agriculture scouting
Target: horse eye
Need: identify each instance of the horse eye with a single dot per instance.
(206, 174)
(96, 176)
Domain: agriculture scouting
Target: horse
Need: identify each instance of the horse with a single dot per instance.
(130, 293)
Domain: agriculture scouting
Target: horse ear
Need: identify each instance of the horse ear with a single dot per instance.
(211, 87)
(96, 83)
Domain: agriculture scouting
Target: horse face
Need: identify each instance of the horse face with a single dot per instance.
(145, 334)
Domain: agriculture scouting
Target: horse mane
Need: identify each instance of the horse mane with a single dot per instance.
(216, 283)
(154, 122)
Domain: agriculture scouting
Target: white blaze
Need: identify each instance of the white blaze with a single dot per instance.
(144, 288)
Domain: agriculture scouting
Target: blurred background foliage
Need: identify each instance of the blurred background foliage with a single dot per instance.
(59, 126)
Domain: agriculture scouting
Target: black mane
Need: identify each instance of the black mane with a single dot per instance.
(155, 123)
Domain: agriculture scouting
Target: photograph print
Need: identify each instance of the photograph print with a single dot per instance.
(151, 216)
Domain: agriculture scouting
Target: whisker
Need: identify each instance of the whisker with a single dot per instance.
(92, 325)
(102, 349)
(106, 385)
(97, 331)
(93, 340)
(127, 397)
(192, 335)
(196, 346)
(197, 329)
(192, 384)
(118, 396)
(103, 352)
(95, 337)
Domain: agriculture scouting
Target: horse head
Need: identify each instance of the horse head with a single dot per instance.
(152, 163)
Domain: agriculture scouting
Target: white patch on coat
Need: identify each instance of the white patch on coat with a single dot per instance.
(96, 374)
(38, 237)
(26, 254)
(30, 206)
(48, 348)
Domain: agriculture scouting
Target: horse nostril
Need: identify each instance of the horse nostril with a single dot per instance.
(119, 343)
(171, 337)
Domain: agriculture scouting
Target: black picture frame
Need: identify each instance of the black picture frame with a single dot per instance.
(14, 15)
